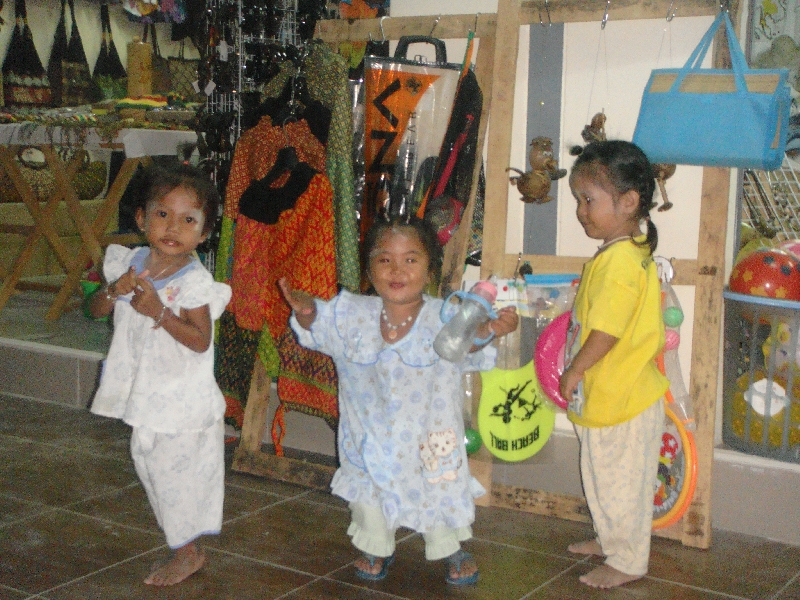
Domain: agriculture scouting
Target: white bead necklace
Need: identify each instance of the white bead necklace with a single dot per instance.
(392, 333)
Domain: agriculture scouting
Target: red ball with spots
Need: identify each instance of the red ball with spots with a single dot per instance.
(768, 273)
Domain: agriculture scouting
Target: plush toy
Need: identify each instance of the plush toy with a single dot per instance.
(534, 185)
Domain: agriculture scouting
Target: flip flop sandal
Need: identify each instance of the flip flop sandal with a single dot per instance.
(387, 561)
(455, 560)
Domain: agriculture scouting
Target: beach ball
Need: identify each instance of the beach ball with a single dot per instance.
(769, 273)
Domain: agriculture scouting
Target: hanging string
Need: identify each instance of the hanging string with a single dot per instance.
(667, 28)
(601, 41)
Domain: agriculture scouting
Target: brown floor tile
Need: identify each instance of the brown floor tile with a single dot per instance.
(59, 425)
(13, 509)
(327, 589)
(9, 594)
(735, 564)
(568, 586)
(505, 572)
(58, 476)
(530, 531)
(301, 535)
(57, 547)
(224, 577)
(127, 506)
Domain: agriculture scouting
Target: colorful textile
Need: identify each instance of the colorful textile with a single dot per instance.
(298, 247)
(326, 76)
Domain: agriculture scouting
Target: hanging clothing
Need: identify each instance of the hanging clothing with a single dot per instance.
(326, 76)
(275, 227)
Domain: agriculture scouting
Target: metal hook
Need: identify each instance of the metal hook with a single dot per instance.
(435, 23)
(383, 35)
(671, 11)
(605, 16)
(725, 5)
(547, 10)
(475, 28)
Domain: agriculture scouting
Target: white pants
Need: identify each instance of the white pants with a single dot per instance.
(370, 534)
(619, 465)
(184, 477)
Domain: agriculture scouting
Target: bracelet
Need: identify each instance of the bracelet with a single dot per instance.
(486, 340)
(160, 318)
(110, 295)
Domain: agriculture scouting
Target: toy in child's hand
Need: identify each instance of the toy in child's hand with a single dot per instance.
(534, 185)
(663, 172)
(549, 358)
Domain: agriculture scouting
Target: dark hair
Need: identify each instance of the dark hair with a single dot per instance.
(622, 166)
(425, 233)
(159, 181)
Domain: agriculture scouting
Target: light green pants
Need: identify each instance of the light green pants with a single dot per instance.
(370, 534)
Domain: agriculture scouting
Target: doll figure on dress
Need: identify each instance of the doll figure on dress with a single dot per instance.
(158, 376)
(400, 403)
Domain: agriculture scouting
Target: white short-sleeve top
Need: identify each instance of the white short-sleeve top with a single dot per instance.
(149, 379)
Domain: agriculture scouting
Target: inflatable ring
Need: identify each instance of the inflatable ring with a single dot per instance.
(549, 358)
(677, 470)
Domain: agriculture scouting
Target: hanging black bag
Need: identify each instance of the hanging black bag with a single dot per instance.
(69, 73)
(108, 70)
(162, 82)
(25, 82)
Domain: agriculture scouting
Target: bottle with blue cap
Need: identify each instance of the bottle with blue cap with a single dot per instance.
(458, 334)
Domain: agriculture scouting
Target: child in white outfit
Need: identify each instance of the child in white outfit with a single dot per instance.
(401, 429)
(159, 373)
(614, 386)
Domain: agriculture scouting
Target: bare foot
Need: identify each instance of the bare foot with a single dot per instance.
(187, 560)
(591, 547)
(605, 577)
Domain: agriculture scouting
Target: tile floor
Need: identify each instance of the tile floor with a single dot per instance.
(75, 524)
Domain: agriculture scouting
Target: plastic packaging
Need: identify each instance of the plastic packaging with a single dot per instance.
(458, 334)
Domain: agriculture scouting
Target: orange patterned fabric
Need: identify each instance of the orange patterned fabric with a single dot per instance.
(255, 154)
(300, 247)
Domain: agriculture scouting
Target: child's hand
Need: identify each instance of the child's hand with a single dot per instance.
(145, 298)
(569, 383)
(507, 321)
(302, 304)
(125, 284)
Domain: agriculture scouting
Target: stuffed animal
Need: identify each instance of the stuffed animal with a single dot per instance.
(534, 185)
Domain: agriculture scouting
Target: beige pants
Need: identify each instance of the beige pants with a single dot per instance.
(370, 534)
(619, 465)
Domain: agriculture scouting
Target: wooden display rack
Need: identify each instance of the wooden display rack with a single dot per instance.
(495, 69)
(93, 236)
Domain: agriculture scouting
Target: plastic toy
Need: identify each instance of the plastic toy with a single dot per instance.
(677, 468)
(771, 273)
(548, 358)
(514, 419)
(472, 440)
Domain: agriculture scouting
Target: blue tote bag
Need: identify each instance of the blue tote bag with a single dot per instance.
(715, 117)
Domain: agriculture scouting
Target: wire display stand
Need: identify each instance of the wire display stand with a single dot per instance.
(771, 201)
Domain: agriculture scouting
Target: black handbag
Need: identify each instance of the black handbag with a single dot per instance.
(70, 77)
(25, 82)
(108, 72)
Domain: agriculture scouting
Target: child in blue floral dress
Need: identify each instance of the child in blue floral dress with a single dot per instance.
(401, 430)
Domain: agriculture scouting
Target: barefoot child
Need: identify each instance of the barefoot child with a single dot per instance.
(615, 388)
(159, 373)
(401, 430)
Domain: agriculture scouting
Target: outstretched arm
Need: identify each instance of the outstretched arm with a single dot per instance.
(305, 311)
(507, 321)
(596, 346)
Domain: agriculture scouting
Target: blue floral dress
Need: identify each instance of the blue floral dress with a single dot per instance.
(401, 429)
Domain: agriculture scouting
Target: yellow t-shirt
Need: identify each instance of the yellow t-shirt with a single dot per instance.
(620, 295)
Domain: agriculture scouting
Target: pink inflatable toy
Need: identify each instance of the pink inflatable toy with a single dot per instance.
(548, 358)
